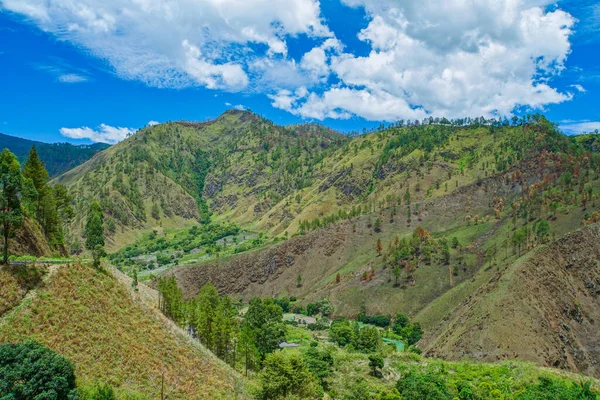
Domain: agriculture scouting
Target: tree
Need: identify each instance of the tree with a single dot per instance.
(264, 317)
(247, 348)
(319, 363)
(134, 281)
(94, 232)
(204, 317)
(299, 280)
(543, 230)
(285, 376)
(34, 169)
(34, 372)
(338, 278)
(375, 361)
(340, 332)
(377, 226)
(396, 273)
(378, 247)
(11, 216)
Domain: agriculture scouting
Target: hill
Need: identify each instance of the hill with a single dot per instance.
(115, 337)
(58, 157)
(447, 245)
(168, 175)
(551, 296)
(415, 218)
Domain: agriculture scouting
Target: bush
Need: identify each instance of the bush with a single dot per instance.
(34, 372)
(417, 386)
(549, 389)
(286, 375)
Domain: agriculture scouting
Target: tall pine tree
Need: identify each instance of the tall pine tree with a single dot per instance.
(44, 197)
(11, 216)
(94, 232)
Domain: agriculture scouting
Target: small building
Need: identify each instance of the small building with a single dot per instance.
(285, 345)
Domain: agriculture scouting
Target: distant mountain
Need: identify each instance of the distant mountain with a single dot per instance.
(58, 157)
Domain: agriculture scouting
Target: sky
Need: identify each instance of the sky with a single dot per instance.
(97, 70)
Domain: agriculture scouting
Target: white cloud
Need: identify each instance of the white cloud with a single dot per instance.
(451, 58)
(152, 123)
(63, 71)
(579, 88)
(577, 127)
(103, 134)
(72, 78)
(177, 44)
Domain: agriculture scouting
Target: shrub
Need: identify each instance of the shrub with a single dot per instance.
(34, 372)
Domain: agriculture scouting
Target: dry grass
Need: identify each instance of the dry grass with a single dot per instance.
(89, 317)
(10, 291)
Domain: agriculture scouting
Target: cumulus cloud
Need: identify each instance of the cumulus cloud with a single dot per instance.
(451, 58)
(578, 127)
(103, 134)
(177, 44)
(152, 123)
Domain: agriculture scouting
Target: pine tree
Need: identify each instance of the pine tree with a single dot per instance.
(94, 232)
(11, 216)
(134, 282)
(47, 207)
(247, 348)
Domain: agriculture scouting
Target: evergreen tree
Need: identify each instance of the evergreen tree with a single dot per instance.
(11, 216)
(47, 207)
(134, 281)
(94, 232)
(247, 348)
(204, 322)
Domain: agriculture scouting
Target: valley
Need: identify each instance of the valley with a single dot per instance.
(185, 244)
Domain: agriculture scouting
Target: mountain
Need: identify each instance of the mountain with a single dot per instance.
(170, 175)
(418, 218)
(58, 158)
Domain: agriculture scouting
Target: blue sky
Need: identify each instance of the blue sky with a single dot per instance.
(99, 69)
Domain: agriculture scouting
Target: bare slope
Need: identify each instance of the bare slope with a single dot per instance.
(544, 308)
(88, 316)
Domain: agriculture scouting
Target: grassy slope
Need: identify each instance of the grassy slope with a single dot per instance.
(550, 294)
(89, 317)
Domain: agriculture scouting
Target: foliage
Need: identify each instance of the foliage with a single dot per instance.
(411, 333)
(417, 386)
(286, 375)
(94, 232)
(11, 216)
(344, 332)
(32, 371)
(554, 390)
